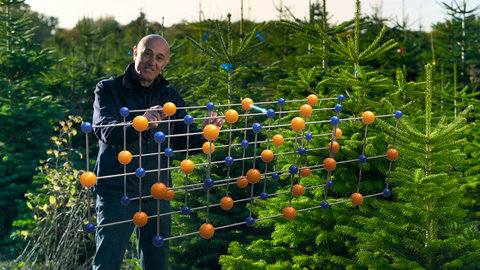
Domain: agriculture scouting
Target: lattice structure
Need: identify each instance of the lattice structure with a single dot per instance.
(299, 168)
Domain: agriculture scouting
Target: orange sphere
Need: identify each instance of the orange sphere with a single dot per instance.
(298, 190)
(210, 132)
(231, 116)
(312, 100)
(169, 194)
(124, 157)
(226, 203)
(140, 219)
(335, 148)
(253, 176)
(392, 154)
(88, 179)
(158, 190)
(169, 109)
(267, 155)
(289, 213)
(206, 148)
(368, 117)
(242, 182)
(305, 172)
(140, 123)
(329, 164)
(338, 133)
(357, 198)
(298, 124)
(306, 110)
(277, 140)
(207, 230)
(187, 166)
(247, 104)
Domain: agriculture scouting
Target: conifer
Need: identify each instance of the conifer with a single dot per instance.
(425, 226)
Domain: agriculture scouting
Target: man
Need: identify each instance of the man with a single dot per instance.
(140, 87)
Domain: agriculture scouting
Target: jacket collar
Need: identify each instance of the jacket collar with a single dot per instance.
(130, 79)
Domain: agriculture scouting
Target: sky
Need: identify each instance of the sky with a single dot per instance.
(421, 14)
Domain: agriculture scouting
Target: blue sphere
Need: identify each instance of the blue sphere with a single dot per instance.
(340, 98)
(185, 210)
(362, 159)
(270, 113)
(386, 192)
(275, 176)
(329, 184)
(302, 151)
(250, 221)
(338, 108)
(86, 127)
(229, 161)
(125, 200)
(281, 101)
(293, 169)
(244, 143)
(208, 183)
(140, 172)
(334, 120)
(398, 114)
(89, 228)
(188, 119)
(124, 111)
(325, 205)
(308, 136)
(159, 137)
(257, 128)
(168, 152)
(157, 241)
(264, 196)
(210, 106)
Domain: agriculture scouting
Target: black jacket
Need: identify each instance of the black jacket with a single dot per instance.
(126, 91)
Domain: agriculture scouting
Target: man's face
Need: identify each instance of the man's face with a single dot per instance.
(150, 57)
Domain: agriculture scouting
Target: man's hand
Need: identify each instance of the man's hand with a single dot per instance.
(154, 114)
(215, 121)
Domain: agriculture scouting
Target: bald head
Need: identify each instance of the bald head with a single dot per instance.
(151, 56)
(151, 37)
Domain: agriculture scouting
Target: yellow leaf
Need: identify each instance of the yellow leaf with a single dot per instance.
(62, 123)
(29, 205)
(74, 132)
(52, 199)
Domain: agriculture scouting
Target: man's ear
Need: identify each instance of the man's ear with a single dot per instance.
(134, 53)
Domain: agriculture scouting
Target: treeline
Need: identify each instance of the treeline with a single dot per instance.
(431, 220)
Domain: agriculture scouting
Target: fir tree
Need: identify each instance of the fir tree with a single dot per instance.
(425, 227)
(25, 113)
(231, 55)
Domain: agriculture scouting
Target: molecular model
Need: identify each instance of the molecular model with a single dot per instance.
(301, 125)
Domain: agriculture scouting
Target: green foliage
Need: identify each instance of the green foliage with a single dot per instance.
(349, 51)
(296, 58)
(231, 55)
(52, 228)
(26, 116)
(425, 227)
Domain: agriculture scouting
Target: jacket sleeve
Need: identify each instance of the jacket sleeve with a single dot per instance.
(195, 141)
(106, 112)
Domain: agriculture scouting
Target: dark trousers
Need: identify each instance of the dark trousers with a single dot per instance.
(112, 241)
